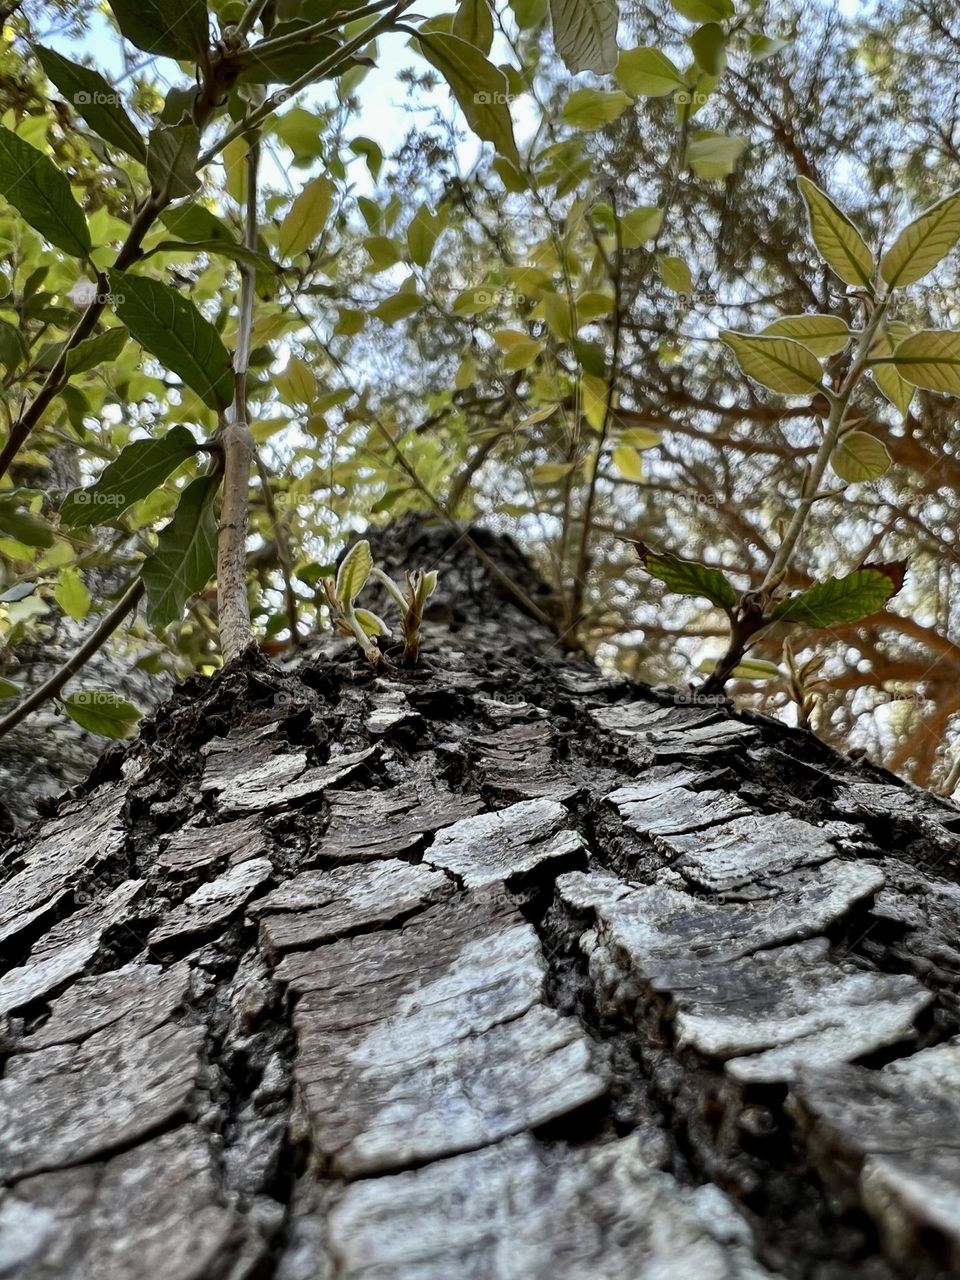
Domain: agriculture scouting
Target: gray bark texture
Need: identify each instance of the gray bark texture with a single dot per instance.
(502, 970)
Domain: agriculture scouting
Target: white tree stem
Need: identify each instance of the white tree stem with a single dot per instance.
(233, 605)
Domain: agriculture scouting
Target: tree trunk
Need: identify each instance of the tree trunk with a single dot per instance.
(503, 970)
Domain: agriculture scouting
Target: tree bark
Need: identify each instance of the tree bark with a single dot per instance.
(503, 969)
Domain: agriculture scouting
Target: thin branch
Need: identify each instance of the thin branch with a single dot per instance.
(583, 558)
(51, 687)
(250, 17)
(283, 550)
(831, 434)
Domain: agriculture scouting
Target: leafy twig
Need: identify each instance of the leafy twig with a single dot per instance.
(97, 638)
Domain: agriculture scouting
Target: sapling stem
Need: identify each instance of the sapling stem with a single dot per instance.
(839, 402)
(233, 605)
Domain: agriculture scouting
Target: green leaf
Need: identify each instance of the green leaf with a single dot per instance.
(823, 335)
(892, 386)
(838, 600)
(104, 348)
(714, 155)
(422, 233)
(371, 152)
(300, 130)
(173, 28)
(71, 595)
(841, 245)
(8, 689)
(172, 329)
(648, 73)
(593, 304)
(370, 623)
(628, 462)
(556, 312)
(36, 187)
(763, 47)
(640, 437)
(384, 253)
(519, 349)
(194, 223)
(709, 46)
(552, 472)
(95, 101)
(473, 22)
(141, 467)
(350, 322)
(172, 154)
(528, 13)
(22, 526)
(12, 349)
(923, 243)
(186, 554)
(585, 34)
(687, 577)
(178, 105)
(931, 359)
(778, 363)
(103, 712)
(297, 384)
(232, 250)
(859, 457)
(398, 307)
(675, 274)
(704, 10)
(639, 225)
(478, 86)
(592, 108)
(307, 218)
(353, 573)
(285, 65)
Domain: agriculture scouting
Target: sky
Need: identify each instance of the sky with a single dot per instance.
(384, 113)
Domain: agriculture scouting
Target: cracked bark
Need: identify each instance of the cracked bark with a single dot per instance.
(502, 969)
